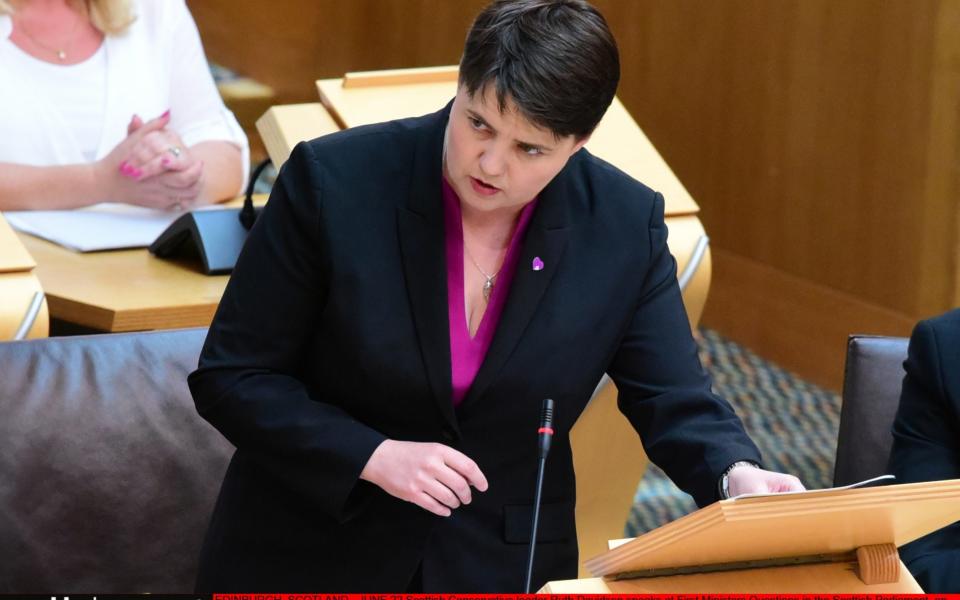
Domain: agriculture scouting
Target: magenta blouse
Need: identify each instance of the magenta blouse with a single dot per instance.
(466, 353)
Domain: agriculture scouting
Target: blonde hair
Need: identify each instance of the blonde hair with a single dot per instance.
(109, 16)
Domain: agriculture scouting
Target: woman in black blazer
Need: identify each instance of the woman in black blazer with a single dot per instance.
(926, 441)
(411, 294)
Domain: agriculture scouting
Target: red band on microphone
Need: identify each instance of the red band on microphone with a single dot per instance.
(547, 430)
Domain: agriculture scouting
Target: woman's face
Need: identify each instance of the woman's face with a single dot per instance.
(499, 161)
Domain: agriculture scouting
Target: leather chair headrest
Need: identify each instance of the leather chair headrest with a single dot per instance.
(871, 393)
(107, 474)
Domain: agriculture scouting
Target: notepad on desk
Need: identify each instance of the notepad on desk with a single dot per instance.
(872, 482)
(105, 226)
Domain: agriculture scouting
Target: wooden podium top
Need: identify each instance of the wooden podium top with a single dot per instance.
(284, 126)
(375, 96)
(787, 526)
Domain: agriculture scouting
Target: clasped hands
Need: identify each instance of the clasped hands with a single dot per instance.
(151, 167)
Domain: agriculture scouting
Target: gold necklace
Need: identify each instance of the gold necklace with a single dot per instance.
(61, 53)
(490, 279)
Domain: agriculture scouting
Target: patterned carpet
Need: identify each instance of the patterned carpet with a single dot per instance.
(794, 423)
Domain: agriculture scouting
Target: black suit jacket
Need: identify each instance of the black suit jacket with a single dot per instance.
(332, 336)
(926, 441)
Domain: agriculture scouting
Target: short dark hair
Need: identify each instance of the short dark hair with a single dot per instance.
(555, 59)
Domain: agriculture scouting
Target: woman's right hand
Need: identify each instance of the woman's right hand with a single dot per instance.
(435, 477)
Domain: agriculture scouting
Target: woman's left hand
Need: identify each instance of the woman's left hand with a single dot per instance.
(753, 480)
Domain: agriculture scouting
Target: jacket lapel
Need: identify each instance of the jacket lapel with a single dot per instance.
(546, 239)
(422, 237)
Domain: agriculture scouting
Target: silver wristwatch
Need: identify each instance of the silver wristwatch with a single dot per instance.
(725, 478)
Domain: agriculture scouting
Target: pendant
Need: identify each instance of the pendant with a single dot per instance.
(62, 55)
(487, 289)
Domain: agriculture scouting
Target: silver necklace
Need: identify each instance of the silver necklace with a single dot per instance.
(490, 279)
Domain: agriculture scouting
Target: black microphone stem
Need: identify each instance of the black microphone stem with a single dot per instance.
(544, 435)
(536, 521)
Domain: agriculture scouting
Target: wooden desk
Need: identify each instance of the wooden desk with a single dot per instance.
(839, 578)
(814, 542)
(125, 290)
(18, 289)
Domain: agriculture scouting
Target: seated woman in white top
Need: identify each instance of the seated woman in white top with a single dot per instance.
(111, 100)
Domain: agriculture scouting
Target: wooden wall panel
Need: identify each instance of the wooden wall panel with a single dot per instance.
(822, 142)
(288, 44)
(943, 165)
(802, 128)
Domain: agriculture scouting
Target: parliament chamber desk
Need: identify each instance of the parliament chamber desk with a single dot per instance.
(124, 290)
(23, 311)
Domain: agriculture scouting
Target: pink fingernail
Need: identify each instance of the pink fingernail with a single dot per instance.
(123, 166)
(126, 169)
(137, 173)
(165, 162)
(166, 114)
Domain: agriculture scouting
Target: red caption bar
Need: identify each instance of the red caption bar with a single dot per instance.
(584, 596)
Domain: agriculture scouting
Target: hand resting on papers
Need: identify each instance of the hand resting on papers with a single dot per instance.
(753, 480)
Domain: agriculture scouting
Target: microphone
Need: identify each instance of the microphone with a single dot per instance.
(544, 435)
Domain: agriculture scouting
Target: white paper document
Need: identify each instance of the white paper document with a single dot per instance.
(105, 226)
(881, 480)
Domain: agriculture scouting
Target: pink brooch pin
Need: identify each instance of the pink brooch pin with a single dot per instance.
(537, 264)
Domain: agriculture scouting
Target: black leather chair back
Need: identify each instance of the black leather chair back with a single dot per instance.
(871, 392)
(107, 474)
